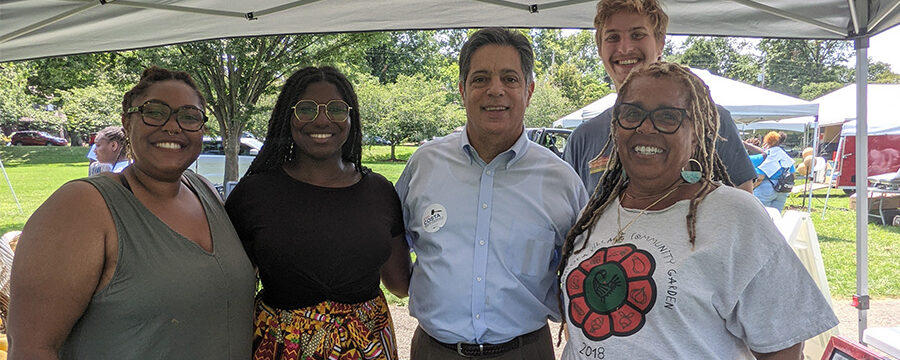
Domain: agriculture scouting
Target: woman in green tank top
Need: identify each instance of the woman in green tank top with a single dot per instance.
(138, 265)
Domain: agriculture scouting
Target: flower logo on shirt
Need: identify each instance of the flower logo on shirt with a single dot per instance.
(611, 292)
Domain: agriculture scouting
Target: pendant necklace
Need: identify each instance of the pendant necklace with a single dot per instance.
(621, 234)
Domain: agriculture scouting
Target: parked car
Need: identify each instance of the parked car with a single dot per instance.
(552, 138)
(375, 140)
(211, 162)
(19, 138)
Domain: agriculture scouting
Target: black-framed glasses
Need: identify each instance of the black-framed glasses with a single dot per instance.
(157, 113)
(666, 120)
(335, 110)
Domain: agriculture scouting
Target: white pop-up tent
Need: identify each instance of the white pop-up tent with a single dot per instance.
(42, 28)
(747, 103)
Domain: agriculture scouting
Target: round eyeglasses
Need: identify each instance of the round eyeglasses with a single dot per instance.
(154, 113)
(335, 110)
(666, 120)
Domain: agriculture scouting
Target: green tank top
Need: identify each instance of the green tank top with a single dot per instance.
(168, 298)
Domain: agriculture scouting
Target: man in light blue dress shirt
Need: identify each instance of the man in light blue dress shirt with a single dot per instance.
(486, 212)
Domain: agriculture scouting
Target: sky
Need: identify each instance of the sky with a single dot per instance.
(885, 47)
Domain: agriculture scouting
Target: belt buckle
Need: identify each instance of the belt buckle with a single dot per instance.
(459, 350)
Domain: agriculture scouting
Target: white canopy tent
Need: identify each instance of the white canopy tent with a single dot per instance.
(800, 124)
(839, 106)
(42, 28)
(747, 103)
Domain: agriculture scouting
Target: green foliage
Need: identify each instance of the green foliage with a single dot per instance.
(720, 55)
(411, 109)
(13, 98)
(234, 73)
(790, 63)
(571, 64)
(405, 52)
(816, 90)
(547, 104)
(90, 109)
(50, 76)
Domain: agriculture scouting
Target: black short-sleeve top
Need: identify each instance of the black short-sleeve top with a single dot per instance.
(315, 243)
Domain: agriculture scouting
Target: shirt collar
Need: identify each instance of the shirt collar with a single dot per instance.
(509, 157)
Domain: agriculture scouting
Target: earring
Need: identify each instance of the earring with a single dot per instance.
(691, 176)
(128, 152)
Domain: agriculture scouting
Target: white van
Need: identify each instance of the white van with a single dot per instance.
(211, 163)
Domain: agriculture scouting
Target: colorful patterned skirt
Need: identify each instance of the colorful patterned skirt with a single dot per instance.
(327, 330)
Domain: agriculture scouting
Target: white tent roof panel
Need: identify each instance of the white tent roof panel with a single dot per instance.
(747, 103)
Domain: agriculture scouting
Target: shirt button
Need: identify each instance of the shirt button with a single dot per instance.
(478, 278)
(484, 206)
(478, 316)
(481, 243)
(488, 172)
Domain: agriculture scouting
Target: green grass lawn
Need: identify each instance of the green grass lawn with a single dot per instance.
(837, 239)
(35, 172)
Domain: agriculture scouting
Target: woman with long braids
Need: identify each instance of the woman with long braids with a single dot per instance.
(321, 229)
(667, 260)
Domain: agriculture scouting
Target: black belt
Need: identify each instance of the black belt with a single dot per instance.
(473, 350)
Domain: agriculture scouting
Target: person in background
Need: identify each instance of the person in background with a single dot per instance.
(668, 262)
(486, 211)
(770, 167)
(142, 264)
(109, 148)
(632, 34)
(321, 228)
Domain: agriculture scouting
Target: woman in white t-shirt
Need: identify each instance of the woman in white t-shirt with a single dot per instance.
(667, 260)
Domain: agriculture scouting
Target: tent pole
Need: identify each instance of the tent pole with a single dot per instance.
(812, 164)
(862, 194)
(11, 188)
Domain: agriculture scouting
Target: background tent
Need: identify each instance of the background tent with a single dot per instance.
(747, 103)
(839, 106)
(801, 124)
(41, 28)
(586, 113)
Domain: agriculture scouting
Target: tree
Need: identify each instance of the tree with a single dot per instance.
(411, 109)
(547, 104)
(792, 63)
(720, 55)
(406, 52)
(13, 97)
(234, 73)
(815, 90)
(90, 108)
(571, 64)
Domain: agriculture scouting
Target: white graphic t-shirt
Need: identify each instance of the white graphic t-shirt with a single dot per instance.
(655, 296)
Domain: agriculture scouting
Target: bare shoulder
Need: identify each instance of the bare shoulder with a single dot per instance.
(76, 210)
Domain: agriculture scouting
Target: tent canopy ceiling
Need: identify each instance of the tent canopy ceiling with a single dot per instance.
(42, 28)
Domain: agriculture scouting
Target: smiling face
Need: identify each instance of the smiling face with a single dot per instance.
(164, 151)
(321, 138)
(496, 94)
(653, 160)
(625, 42)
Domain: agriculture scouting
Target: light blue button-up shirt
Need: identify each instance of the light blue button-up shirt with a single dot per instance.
(486, 237)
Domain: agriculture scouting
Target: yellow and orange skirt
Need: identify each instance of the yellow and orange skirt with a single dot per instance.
(325, 331)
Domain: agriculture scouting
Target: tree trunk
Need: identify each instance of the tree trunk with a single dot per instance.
(232, 142)
(393, 158)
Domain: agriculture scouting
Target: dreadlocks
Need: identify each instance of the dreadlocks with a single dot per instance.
(701, 110)
(279, 148)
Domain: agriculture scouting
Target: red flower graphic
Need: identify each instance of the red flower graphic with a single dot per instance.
(610, 292)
